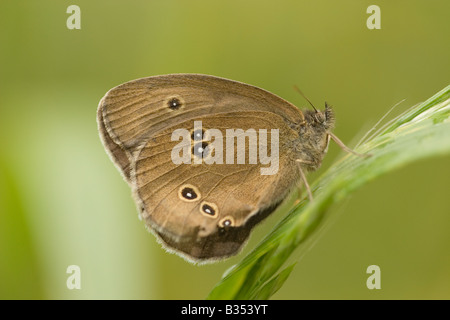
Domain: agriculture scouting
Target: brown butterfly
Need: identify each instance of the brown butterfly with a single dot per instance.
(206, 211)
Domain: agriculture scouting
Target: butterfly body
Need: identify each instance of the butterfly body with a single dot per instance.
(206, 211)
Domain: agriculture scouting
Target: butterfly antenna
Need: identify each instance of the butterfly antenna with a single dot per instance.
(303, 95)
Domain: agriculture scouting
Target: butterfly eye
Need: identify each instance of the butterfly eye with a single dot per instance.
(189, 193)
(200, 150)
(174, 103)
(319, 117)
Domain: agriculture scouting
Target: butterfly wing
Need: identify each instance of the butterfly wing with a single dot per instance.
(203, 211)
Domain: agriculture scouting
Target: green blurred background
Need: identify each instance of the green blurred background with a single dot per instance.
(62, 202)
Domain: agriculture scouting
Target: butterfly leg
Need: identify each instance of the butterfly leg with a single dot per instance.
(344, 147)
(303, 177)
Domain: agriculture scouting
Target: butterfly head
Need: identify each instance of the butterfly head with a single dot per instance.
(314, 137)
(321, 119)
